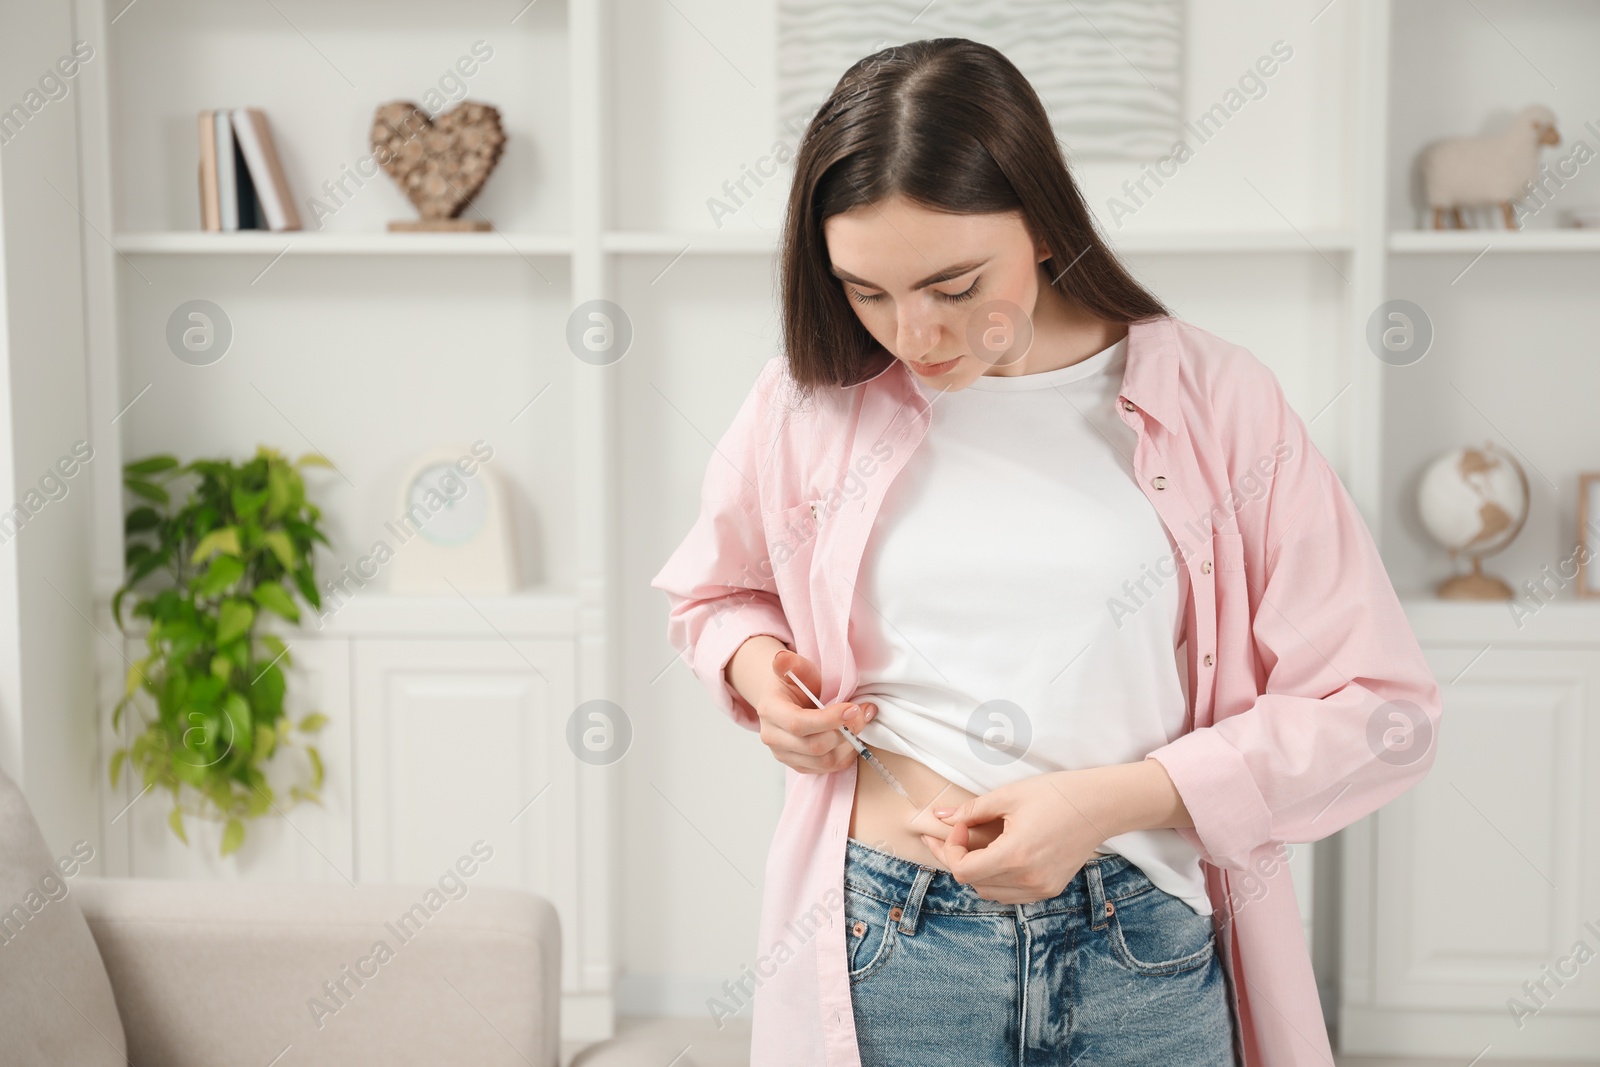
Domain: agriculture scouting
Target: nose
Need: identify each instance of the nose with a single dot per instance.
(916, 329)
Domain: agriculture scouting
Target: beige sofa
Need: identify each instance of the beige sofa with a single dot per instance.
(175, 973)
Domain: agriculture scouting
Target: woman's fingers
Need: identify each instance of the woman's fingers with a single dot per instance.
(995, 864)
(799, 733)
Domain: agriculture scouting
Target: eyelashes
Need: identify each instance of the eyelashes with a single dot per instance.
(952, 298)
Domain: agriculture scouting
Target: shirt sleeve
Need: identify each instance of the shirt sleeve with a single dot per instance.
(719, 585)
(1347, 717)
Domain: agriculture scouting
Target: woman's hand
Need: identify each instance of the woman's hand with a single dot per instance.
(800, 734)
(1049, 832)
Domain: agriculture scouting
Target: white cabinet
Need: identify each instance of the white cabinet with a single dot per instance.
(1473, 900)
(448, 724)
(462, 740)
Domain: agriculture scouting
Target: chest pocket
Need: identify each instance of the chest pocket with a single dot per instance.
(792, 534)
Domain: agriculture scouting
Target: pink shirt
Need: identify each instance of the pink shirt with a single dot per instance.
(1301, 662)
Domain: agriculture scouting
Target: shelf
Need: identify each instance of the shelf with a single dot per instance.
(1196, 242)
(303, 242)
(1200, 242)
(1564, 621)
(642, 242)
(1471, 242)
(705, 242)
(531, 612)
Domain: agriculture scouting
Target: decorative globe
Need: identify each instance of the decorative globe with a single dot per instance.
(1473, 501)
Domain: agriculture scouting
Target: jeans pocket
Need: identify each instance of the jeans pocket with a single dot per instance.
(1155, 933)
(869, 934)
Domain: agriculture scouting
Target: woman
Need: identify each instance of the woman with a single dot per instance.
(1076, 573)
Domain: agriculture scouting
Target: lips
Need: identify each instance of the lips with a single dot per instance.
(928, 370)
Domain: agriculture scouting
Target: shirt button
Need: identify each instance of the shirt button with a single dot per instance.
(1209, 660)
(1205, 566)
(1159, 481)
(1127, 405)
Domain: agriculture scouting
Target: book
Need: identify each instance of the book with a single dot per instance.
(210, 208)
(227, 179)
(254, 138)
(249, 203)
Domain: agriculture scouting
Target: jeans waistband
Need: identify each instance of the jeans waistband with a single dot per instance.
(1103, 880)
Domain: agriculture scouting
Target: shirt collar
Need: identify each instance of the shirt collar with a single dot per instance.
(1150, 379)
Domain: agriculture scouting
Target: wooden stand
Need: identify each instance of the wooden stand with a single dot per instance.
(440, 226)
(1474, 586)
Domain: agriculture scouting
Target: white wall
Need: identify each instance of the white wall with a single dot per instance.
(47, 717)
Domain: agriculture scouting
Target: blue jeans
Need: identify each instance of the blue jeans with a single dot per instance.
(1112, 971)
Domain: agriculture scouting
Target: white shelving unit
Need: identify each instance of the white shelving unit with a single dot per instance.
(1469, 887)
(442, 337)
(411, 336)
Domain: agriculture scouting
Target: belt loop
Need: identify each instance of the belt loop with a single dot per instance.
(1097, 895)
(913, 905)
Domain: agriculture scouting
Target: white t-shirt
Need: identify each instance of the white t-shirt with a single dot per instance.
(1017, 584)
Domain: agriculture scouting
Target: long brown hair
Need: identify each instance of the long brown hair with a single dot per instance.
(950, 124)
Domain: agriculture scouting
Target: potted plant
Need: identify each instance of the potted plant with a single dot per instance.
(236, 545)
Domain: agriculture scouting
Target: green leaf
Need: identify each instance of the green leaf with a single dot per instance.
(147, 566)
(150, 465)
(117, 759)
(279, 492)
(313, 459)
(241, 733)
(220, 793)
(266, 740)
(175, 820)
(266, 693)
(281, 547)
(307, 587)
(140, 519)
(246, 504)
(279, 650)
(316, 766)
(223, 572)
(232, 836)
(148, 490)
(312, 723)
(271, 596)
(135, 676)
(234, 619)
(224, 540)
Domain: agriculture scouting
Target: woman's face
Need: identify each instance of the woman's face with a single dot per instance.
(951, 295)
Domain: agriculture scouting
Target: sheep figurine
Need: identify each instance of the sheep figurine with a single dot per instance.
(1497, 169)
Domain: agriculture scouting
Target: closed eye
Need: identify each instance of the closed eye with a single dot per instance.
(953, 298)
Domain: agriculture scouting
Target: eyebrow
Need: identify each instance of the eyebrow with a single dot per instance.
(935, 278)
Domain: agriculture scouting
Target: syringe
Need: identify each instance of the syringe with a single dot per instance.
(855, 742)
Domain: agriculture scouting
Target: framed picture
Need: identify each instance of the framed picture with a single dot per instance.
(1589, 534)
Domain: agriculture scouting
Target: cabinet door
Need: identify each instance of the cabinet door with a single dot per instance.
(302, 843)
(1489, 869)
(465, 740)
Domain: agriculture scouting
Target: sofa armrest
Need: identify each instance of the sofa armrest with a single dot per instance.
(238, 972)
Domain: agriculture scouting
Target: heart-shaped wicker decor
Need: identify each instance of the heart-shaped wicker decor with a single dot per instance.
(441, 163)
